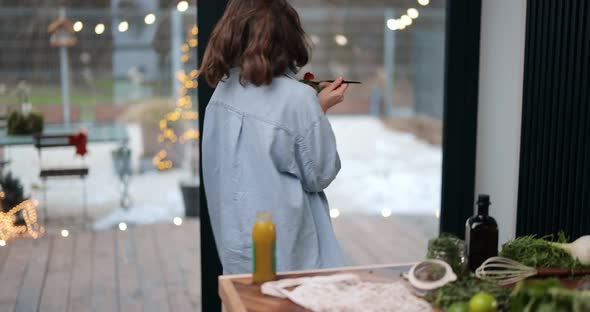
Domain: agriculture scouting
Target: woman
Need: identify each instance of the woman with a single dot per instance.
(267, 144)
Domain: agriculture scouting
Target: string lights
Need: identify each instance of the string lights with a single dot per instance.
(182, 6)
(184, 106)
(31, 228)
(413, 13)
(99, 28)
(407, 19)
(149, 18)
(123, 26)
(386, 212)
(341, 40)
(177, 221)
(334, 213)
(78, 26)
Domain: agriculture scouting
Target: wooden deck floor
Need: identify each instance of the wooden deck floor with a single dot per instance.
(146, 268)
(157, 267)
(375, 240)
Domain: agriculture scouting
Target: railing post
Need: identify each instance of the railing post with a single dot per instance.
(388, 63)
(65, 76)
(175, 52)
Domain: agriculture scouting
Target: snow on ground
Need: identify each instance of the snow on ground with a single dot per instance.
(384, 171)
(156, 197)
(381, 170)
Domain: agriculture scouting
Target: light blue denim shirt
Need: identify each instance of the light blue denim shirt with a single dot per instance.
(270, 148)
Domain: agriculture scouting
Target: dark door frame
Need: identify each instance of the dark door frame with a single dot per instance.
(208, 13)
(459, 128)
(460, 114)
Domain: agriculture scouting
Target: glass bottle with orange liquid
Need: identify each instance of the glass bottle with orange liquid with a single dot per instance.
(263, 248)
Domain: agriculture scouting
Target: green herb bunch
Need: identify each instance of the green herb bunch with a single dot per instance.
(463, 290)
(548, 296)
(539, 252)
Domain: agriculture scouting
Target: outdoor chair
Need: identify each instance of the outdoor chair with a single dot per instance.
(77, 140)
(3, 117)
(3, 120)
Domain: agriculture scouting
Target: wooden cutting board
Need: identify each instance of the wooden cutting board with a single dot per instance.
(561, 272)
(239, 294)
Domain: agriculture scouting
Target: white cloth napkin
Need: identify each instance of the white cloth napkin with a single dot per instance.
(346, 293)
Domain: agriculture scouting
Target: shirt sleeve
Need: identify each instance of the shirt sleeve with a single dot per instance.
(316, 158)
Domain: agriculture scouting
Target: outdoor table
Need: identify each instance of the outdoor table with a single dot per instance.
(239, 294)
(111, 132)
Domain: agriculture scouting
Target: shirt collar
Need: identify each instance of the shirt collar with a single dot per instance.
(291, 74)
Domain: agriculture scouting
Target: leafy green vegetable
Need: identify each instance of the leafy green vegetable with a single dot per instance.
(539, 252)
(548, 296)
(463, 290)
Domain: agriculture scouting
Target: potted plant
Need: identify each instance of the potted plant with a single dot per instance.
(145, 163)
(24, 121)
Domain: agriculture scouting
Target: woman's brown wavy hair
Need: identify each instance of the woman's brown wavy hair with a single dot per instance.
(262, 37)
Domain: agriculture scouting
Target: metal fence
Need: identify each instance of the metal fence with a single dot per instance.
(120, 55)
(127, 55)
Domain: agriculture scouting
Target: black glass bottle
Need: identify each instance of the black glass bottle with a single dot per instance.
(481, 234)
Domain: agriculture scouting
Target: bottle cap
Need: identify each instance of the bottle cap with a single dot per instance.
(483, 199)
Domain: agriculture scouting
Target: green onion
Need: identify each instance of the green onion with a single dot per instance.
(539, 252)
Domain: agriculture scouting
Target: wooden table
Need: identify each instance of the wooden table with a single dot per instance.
(97, 132)
(239, 294)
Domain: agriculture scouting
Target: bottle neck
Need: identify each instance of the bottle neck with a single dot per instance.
(263, 216)
(483, 210)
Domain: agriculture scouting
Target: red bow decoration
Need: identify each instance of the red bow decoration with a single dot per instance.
(309, 76)
(79, 141)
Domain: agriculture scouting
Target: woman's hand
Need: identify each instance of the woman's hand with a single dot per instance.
(332, 93)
